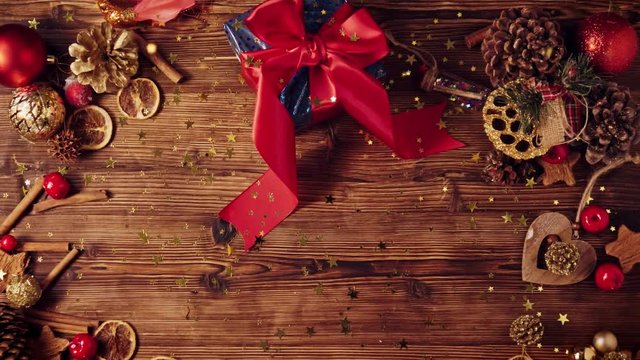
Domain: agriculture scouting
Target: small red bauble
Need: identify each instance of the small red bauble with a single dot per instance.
(83, 347)
(76, 94)
(609, 40)
(8, 243)
(22, 55)
(56, 185)
(594, 219)
(609, 277)
(557, 154)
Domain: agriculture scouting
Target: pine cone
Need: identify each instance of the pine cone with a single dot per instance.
(613, 129)
(562, 258)
(523, 43)
(505, 170)
(105, 57)
(13, 331)
(526, 330)
(616, 356)
(65, 146)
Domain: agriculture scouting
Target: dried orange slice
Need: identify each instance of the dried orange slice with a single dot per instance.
(116, 340)
(140, 99)
(93, 126)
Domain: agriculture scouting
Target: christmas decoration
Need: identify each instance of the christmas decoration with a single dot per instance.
(75, 199)
(76, 94)
(549, 224)
(12, 265)
(8, 243)
(36, 111)
(56, 185)
(562, 258)
(522, 43)
(610, 41)
(557, 155)
(64, 146)
(93, 127)
(116, 340)
(22, 51)
(626, 248)
(83, 347)
(609, 277)
(526, 330)
(562, 172)
(48, 346)
(594, 219)
(616, 355)
(614, 126)
(140, 99)
(158, 11)
(504, 170)
(13, 334)
(23, 291)
(106, 58)
(605, 341)
(31, 196)
(336, 81)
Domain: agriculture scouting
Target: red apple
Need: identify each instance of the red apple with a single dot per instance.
(609, 277)
(594, 219)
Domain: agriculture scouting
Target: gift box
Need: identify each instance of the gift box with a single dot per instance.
(296, 95)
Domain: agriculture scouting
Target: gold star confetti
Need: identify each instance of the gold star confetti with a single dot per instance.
(613, 229)
(531, 182)
(173, 58)
(354, 37)
(182, 282)
(203, 97)
(450, 44)
(332, 262)
(475, 158)
(528, 305)
(436, 21)
(142, 135)
(442, 125)
(473, 68)
(323, 12)
(507, 217)
(68, 16)
(539, 314)
(231, 137)
(603, 188)
(556, 202)
(523, 221)
(539, 345)
(189, 123)
(411, 59)
(33, 24)
(445, 189)
(490, 289)
(237, 25)
(111, 163)
(563, 318)
(445, 59)
(459, 14)
(472, 206)
(491, 199)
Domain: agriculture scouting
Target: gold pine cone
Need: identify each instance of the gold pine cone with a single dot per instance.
(105, 57)
(562, 258)
(526, 330)
(615, 355)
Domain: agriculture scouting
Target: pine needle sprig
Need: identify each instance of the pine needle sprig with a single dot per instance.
(529, 102)
(577, 75)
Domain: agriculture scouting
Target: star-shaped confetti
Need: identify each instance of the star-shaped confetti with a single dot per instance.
(531, 182)
(411, 59)
(111, 163)
(68, 16)
(189, 123)
(231, 137)
(450, 44)
(353, 293)
(33, 24)
(507, 217)
(523, 221)
(280, 333)
(563, 318)
(472, 206)
(475, 158)
(528, 305)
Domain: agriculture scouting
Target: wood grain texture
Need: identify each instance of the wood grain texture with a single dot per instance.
(149, 257)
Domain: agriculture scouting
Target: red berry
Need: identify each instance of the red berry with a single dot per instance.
(56, 185)
(83, 347)
(557, 154)
(77, 95)
(609, 277)
(594, 219)
(8, 243)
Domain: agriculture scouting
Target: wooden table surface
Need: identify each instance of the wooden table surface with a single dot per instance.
(417, 271)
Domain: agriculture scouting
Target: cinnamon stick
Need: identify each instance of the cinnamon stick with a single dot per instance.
(157, 59)
(22, 206)
(45, 246)
(475, 38)
(59, 268)
(79, 198)
(58, 327)
(62, 318)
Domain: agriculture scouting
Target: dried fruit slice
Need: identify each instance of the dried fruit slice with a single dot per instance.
(93, 126)
(140, 99)
(116, 340)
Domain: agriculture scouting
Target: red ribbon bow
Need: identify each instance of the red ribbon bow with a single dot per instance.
(336, 57)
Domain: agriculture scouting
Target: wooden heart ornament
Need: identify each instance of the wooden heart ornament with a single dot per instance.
(554, 224)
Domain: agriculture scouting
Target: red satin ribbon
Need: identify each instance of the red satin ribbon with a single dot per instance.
(336, 57)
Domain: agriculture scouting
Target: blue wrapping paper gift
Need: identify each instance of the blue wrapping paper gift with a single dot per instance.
(295, 96)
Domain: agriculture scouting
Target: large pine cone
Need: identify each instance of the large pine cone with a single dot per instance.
(13, 332)
(523, 43)
(526, 330)
(613, 129)
(505, 170)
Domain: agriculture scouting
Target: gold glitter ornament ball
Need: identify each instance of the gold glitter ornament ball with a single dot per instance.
(605, 341)
(37, 111)
(23, 291)
(526, 330)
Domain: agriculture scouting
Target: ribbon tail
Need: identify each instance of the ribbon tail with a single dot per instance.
(268, 201)
(161, 11)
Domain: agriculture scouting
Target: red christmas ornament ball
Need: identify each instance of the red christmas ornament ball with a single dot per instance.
(594, 219)
(56, 186)
(83, 347)
(609, 40)
(609, 277)
(8, 243)
(557, 154)
(22, 55)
